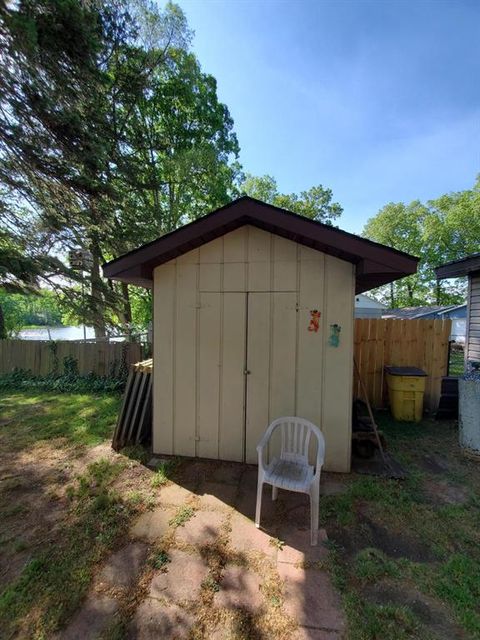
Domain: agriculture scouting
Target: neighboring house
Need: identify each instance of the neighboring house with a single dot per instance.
(366, 307)
(470, 267)
(253, 319)
(457, 313)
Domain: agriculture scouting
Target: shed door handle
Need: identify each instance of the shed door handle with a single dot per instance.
(247, 372)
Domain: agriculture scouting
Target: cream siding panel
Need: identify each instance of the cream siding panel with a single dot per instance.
(235, 260)
(232, 384)
(208, 378)
(191, 257)
(203, 403)
(185, 370)
(259, 260)
(284, 263)
(310, 344)
(338, 364)
(283, 338)
(211, 259)
(210, 277)
(306, 253)
(163, 357)
(258, 363)
(235, 276)
(211, 252)
(235, 245)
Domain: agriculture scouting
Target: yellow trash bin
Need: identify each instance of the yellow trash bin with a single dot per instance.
(406, 387)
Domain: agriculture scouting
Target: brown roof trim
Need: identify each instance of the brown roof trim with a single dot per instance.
(459, 268)
(376, 263)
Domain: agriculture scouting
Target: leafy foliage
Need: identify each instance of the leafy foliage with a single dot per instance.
(61, 383)
(22, 310)
(316, 203)
(163, 473)
(442, 230)
(105, 114)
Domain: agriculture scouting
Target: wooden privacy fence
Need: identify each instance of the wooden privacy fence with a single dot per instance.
(42, 357)
(416, 343)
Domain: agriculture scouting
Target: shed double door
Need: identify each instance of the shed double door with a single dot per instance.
(246, 370)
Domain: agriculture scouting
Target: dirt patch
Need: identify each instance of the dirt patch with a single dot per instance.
(33, 502)
(429, 612)
(398, 545)
(443, 492)
(367, 533)
(434, 464)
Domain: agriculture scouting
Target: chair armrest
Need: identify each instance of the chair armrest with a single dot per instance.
(260, 449)
(318, 466)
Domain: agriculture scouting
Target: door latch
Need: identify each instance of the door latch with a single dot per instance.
(247, 372)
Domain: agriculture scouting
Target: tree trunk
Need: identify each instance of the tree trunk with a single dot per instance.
(98, 303)
(410, 294)
(3, 328)
(127, 309)
(392, 296)
(438, 292)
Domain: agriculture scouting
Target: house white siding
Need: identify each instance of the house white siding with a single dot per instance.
(472, 351)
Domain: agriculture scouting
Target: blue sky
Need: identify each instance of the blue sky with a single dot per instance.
(380, 101)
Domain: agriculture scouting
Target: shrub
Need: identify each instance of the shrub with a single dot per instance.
(21, 380)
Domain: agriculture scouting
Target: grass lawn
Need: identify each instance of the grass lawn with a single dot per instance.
(405, 556)
(65, 502)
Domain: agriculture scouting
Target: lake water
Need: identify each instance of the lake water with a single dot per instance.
(56, 333)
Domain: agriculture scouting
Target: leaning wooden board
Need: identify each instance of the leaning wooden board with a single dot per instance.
(134, 424)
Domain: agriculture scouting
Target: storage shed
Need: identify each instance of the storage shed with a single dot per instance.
(253, 319)
(469, 266)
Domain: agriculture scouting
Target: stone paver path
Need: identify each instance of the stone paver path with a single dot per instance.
(123, 567)
(203, 528)
(239, 589)
(92, 619)
(153, 525)
(154, 620)
(218, 574)
(181, 579)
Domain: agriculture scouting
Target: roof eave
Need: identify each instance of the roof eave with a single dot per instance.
(459, 268)
(375, 264)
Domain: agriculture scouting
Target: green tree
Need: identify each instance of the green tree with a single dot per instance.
(108, 131)
(316, 203)
(400, 226)
(444, 229)
(21, 270)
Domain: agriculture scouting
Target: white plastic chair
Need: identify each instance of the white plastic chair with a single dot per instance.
(292, 470)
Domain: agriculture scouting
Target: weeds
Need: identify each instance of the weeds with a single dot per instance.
(372, 564)
(159, 560)
(182, 516)
(162, 474)
(278, 544)
(374, 512)
(98, 516)
(385, 622)
(136, 452)
(459, 584)
(210, 584)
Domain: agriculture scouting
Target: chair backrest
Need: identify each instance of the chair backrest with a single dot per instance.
(296, 434)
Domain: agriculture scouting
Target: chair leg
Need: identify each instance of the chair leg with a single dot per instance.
(259, 504)
(314, 500)
(274, 492)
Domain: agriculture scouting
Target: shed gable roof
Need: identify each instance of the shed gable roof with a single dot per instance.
(376, 264)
